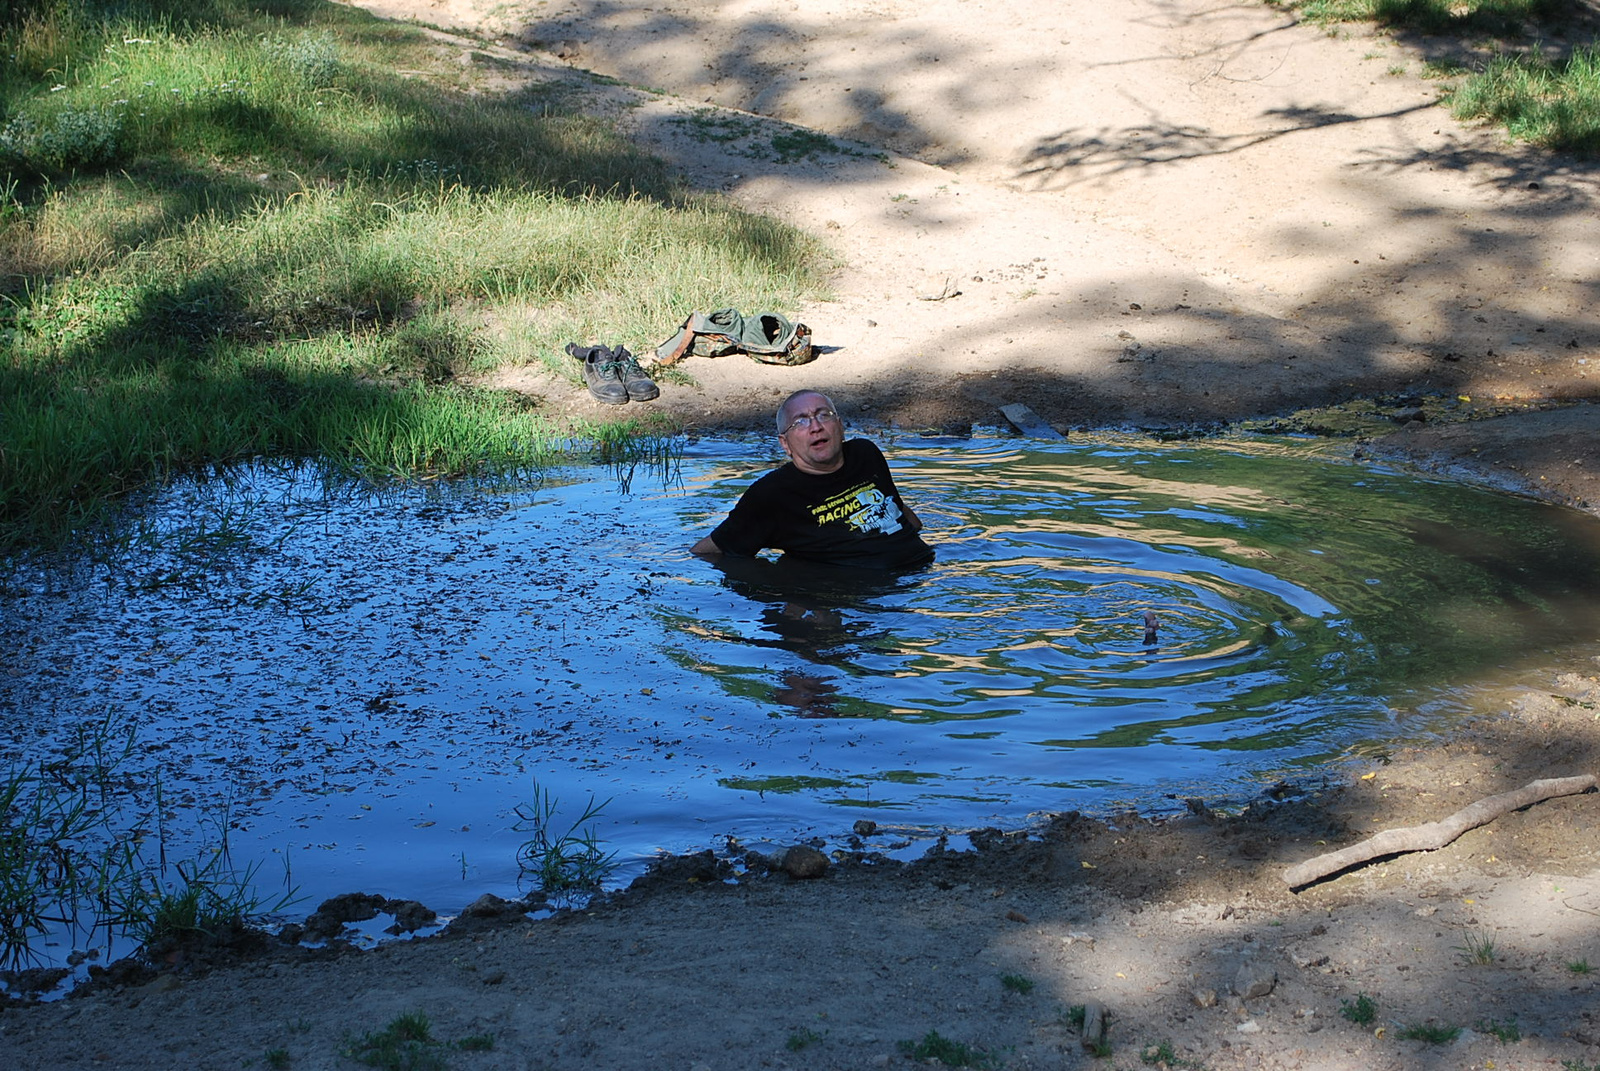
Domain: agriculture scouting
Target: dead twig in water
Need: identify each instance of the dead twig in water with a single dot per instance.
(1426, 838)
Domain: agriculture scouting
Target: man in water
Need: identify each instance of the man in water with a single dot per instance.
(834, 502)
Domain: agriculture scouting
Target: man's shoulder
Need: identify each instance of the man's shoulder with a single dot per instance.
(862, 450)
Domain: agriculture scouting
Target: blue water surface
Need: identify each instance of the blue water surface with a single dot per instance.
(361, 686)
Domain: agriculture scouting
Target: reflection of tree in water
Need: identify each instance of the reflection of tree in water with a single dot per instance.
(810, 609)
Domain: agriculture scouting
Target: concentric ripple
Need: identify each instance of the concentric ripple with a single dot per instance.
(369, 684)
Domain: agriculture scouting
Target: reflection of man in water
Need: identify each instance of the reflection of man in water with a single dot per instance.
(833, 501)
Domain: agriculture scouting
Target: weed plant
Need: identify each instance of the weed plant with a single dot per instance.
(231, 230)
(65, 863)
(934, 1047)
(408, 1044)
(1361, 1010)
(1579, 966)
(561, 863)
(802, 1039)
(1017, 983)
(1431, 1033)
(1477, 948)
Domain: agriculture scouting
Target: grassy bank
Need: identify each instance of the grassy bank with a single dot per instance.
(1531, 66)
(283, 227)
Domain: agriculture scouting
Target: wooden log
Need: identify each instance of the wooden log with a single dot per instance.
(1094, 1026)
(1028, 422)
(1426, 838)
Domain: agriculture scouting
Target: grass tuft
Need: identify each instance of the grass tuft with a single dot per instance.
(1432, 1033)
(1551, 103)
(802, 1039)
(1016, 983)
(406, 1044)
(561, 862)
(934, 1047)
(1477, 948)
(1361, 1010)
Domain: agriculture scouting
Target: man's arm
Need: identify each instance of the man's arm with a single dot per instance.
(706, 547)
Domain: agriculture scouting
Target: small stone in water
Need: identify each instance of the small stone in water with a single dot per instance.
(803, 861)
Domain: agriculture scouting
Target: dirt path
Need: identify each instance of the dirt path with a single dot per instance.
(1163, 213)
(1140, 214)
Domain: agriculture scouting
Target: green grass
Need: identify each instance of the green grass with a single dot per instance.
(937, 1048)
(1017, 983)
(1506, 1030)
(1432, 1033)
(1477, 948)
(561, 861)
(406, 1044)
(1553, 104)
(232, 229)
(1438, 16)
(62, 860)
(1551, 101)
(1579, 966)
(802, 1039)
(1361, 1010)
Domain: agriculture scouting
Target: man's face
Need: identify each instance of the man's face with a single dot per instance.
(816, 444)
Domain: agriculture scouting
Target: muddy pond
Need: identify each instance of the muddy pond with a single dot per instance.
(357, 689)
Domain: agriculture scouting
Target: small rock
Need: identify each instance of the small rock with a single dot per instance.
(1203, 998)
(865, 827)
(803, 861)
(329, 919)
(409, 916)
(1254, 980)
(1249, 1026)
(490, 906)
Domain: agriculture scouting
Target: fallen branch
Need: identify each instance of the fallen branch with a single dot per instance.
(1426, 838)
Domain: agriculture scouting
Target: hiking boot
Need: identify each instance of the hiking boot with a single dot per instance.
(603, 373)
(640, 387)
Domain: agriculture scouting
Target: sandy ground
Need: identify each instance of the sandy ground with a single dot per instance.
(1147, 215)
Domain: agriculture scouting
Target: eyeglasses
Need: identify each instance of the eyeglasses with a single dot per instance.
(805, 420)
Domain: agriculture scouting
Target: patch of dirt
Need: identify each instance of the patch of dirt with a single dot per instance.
(1157, 215)
(1151, 217)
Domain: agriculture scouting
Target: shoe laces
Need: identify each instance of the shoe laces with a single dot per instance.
(630, 363)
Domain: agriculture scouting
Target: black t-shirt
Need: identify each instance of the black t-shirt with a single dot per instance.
(854, 516)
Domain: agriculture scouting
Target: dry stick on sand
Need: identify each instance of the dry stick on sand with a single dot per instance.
(1426, 838)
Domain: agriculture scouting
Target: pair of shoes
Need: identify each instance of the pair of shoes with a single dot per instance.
(614, 376)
